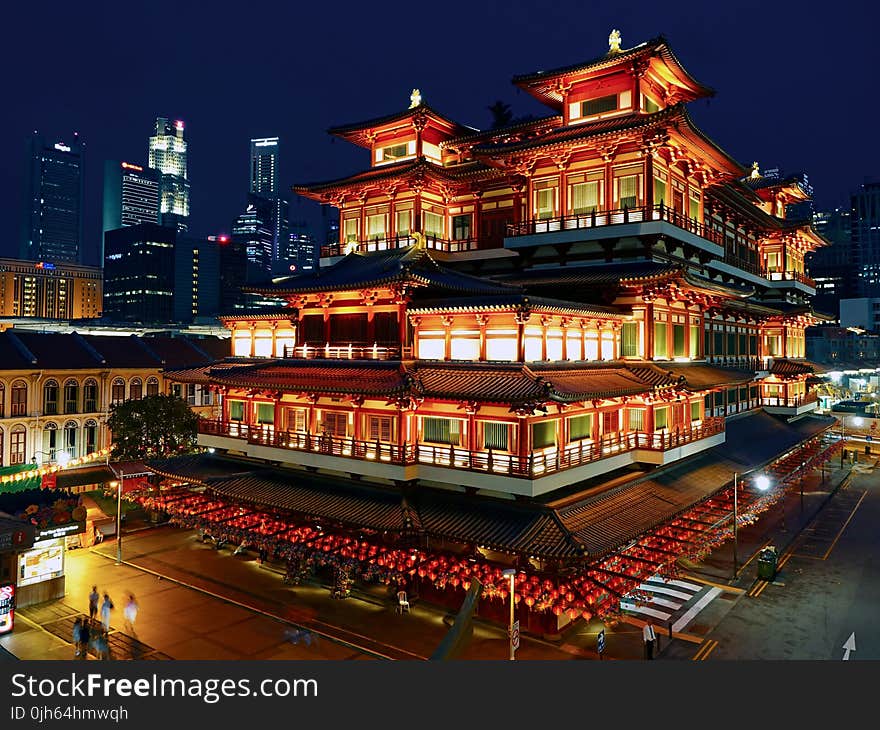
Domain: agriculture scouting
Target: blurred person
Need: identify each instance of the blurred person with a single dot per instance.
(106, 608)
(93, 603)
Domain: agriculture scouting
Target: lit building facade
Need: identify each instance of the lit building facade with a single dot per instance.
(139, 273)
(131, 195)
(254, 229)
(264, 166)
(168, 155)
(50, 291)
(53, 221)
(56, 389)
(512, 322)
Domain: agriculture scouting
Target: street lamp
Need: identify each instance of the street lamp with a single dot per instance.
(62, 458)
(510, 573)
(763, 484)
(120, 476)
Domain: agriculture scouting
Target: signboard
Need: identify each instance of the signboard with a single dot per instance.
(7, 607)
(16, 538)
(600, 641)
(49, 481)
(514, 635)
(51, 533)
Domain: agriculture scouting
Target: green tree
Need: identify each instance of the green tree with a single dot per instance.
(158, 425)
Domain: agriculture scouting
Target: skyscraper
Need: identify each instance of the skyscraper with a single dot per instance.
(264, 166)
(255, 230)
(167, 154)
(131, 195)
(865, 228)
(53, 219)
(264, 183)
(139, 273)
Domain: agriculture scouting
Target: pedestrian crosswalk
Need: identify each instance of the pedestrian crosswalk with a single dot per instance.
(668, 600)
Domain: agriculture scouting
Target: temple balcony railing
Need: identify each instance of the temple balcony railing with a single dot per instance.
(794, 406)
(797, 276)
(601, 219)
(746, 363)
(390, 243)
(532, 466)
(351, 351)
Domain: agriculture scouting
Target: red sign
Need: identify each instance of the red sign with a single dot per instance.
(49, 481)
(7, 607)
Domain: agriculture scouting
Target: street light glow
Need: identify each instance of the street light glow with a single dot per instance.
(63, 458)
(762, 483)
(857, 421)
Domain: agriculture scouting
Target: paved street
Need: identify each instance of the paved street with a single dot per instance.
(200, 603)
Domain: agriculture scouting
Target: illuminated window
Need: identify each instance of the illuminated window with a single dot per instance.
(461, 227)
(136, 389)
(636, 419)
(543, 434)
(90, 396)
(661, 417)
(265, 413)
(603, 104)
(495, 436)
(433, 224)
(394, 152)
(584, 198)
(628, 191)
(241, 344)
(152, 386)
(630, 339)
(660, 344)
(335, 423)
(580, 427)
(117, 391)
(441, 431)
(236, 410)
(651, 106)
(379, 428)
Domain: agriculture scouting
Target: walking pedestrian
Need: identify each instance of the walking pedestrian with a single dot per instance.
(77, 625)
(84, 635)
(130, 613)
(93, 603)
(650, 637)
(106, 608)
(102, 645)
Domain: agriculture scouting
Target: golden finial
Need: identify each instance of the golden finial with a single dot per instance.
(419, 239)
(415, 99)
(756, 172)
(614, 41)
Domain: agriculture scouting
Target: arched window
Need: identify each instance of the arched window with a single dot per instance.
(50, 397)
(2, 406)
(50, 442)
(17, 443)
(70, 431)
(71, 396)
(136, 389)
(152, 386)
(90, 396)
(90, 432)
(19, 399)
(117, 391)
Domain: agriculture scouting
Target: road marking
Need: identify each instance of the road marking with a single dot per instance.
(709, 651)
(722, 586)
(705, 649)
(851, 514)
(849, 646)
(711, 594)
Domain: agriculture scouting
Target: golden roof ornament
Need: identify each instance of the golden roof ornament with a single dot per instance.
(614, 41)
(419, 239)
(415, 99)
(756, 172)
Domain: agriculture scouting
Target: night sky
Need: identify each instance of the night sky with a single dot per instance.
(795, 87)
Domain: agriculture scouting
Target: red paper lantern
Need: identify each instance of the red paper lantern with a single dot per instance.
(587, 615)
(530, 601)
(557, 610)
(572, 613)
(517, 598)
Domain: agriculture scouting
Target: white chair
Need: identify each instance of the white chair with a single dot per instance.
(402, 603)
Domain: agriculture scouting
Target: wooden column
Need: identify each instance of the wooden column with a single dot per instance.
(649, 176)
(326, 326)
(521, 319)
(564, 340)
(649, 331)
(447, 338)
(277, 417)
(475, 233)
(687, 333)
(523, 445)
(543, 339)
(609, 186)
(482, 321)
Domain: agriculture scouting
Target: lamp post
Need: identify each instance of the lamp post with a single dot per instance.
(120, 478)
(763, 484)
(510, 573)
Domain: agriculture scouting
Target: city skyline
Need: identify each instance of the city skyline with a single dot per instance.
(723, 44)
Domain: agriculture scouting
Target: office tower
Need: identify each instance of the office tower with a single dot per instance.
(167, 154)
(49, 291)
(264, 183)
(53, 220)
(196, 279)
(264, 167)
(254, 229)
(131, 195)
(139, 273)
(865, 226)
(303, 252)
(232, 263)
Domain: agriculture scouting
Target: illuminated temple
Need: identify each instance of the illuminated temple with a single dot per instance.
(515, 319)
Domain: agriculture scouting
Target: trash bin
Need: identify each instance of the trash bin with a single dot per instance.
(767, 563)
